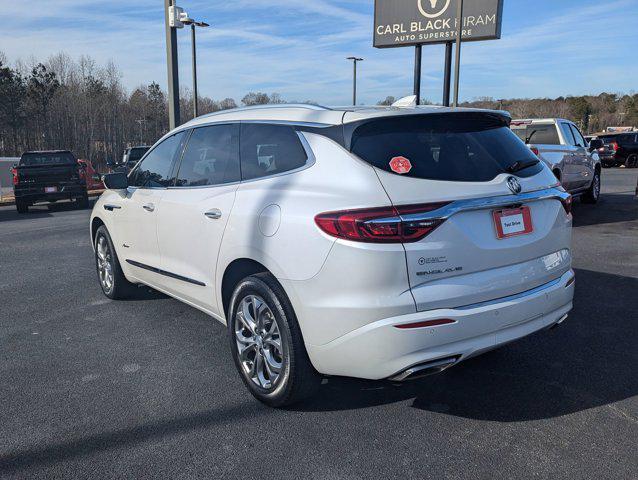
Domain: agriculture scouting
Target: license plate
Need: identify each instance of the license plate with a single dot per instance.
(513, 222)
(50, 189)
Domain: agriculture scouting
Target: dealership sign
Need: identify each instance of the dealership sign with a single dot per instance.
(400, 23)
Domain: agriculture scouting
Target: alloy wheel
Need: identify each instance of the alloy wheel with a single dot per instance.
(259, 346)
(104, 264)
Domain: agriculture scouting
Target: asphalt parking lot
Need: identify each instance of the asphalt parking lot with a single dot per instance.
(146, 388)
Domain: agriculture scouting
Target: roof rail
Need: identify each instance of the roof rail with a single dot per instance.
(267, 106)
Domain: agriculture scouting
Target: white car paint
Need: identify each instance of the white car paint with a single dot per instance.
(349, 297)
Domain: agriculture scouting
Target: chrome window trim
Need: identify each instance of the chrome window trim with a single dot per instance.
(484, 203)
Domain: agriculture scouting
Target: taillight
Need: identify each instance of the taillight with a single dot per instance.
(381, 225)
(534, 150)
(16, 177)
(614, 145)
(567, 204)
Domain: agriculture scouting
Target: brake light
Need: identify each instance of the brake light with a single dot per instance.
(614, 145)
(534, 151)
(381, 225)
(16, 177)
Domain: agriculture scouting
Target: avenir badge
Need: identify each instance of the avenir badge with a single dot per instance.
(400, 165)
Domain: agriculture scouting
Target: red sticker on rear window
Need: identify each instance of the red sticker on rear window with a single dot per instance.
(400, 165)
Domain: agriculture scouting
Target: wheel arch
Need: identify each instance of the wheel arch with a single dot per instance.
(96, 223)
(235, 271)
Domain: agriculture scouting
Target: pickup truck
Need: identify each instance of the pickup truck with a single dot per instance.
(559, 144)
(49, 176)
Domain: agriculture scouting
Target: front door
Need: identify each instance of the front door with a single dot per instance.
(195, 212)
(140, 208)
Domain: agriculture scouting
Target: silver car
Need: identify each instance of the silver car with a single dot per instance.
(561, 145)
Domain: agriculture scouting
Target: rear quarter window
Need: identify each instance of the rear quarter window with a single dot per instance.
(268, 150)
(447, 147)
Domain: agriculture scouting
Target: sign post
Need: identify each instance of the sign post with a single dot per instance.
(402, 23)
(457, 61)
(418, 55)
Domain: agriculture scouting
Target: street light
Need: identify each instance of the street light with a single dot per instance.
(193, 24)
(354, 79)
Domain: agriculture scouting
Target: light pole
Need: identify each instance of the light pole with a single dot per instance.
(354, 78)
(193, 24)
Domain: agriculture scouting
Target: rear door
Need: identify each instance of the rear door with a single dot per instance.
(195, 211)
(584, 163)
(572, 161)
(489, 241)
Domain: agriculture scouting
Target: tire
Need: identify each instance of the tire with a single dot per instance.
(22, 207)
(593, 193)
(83, 201)
(632, 161)
(112, 280)
(278, 377)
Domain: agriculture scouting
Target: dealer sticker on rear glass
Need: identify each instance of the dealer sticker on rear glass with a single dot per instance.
(400, 165)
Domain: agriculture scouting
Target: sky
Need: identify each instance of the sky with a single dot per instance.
(298, 48)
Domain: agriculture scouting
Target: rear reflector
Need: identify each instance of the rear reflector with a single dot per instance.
(427, 323)
(381, 225)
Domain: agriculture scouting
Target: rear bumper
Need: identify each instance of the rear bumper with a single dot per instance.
(381, 350)
(37, 194)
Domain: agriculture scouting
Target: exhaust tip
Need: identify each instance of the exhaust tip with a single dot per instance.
(424, 369)
(559, 323)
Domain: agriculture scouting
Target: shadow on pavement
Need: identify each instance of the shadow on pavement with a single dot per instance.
(611, 208)
(10, 213)
(588, 362)
(102, 441)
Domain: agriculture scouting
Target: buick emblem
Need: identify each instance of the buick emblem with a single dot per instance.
(433, 4)
(514, 185)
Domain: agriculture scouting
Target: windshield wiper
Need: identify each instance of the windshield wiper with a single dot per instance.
(520, 165)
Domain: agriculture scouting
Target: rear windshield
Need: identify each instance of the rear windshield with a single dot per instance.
(450, 147)
(538, 134)
(58, 158)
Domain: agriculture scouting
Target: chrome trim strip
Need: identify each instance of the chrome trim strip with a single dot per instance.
(165, 273)
(509, 298)
(471, 204)
(110, 208)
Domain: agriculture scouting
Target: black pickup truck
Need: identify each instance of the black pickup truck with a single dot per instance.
(49, 176)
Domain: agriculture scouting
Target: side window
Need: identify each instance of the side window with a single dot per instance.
(269, 149)
(580, 141)
(155, 171)
(567, 133)
(211, 157)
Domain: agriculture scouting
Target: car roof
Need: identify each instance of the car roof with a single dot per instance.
(518, 122)
(47, 151)
(319, 115)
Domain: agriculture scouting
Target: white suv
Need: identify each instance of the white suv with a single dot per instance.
(379, 243)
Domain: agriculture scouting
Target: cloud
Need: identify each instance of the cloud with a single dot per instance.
(298, 48)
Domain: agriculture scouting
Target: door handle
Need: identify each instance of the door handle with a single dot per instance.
(149, 207)
(214, 214)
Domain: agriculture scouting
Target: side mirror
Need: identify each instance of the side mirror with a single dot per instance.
(595, 144)
(116, 181)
